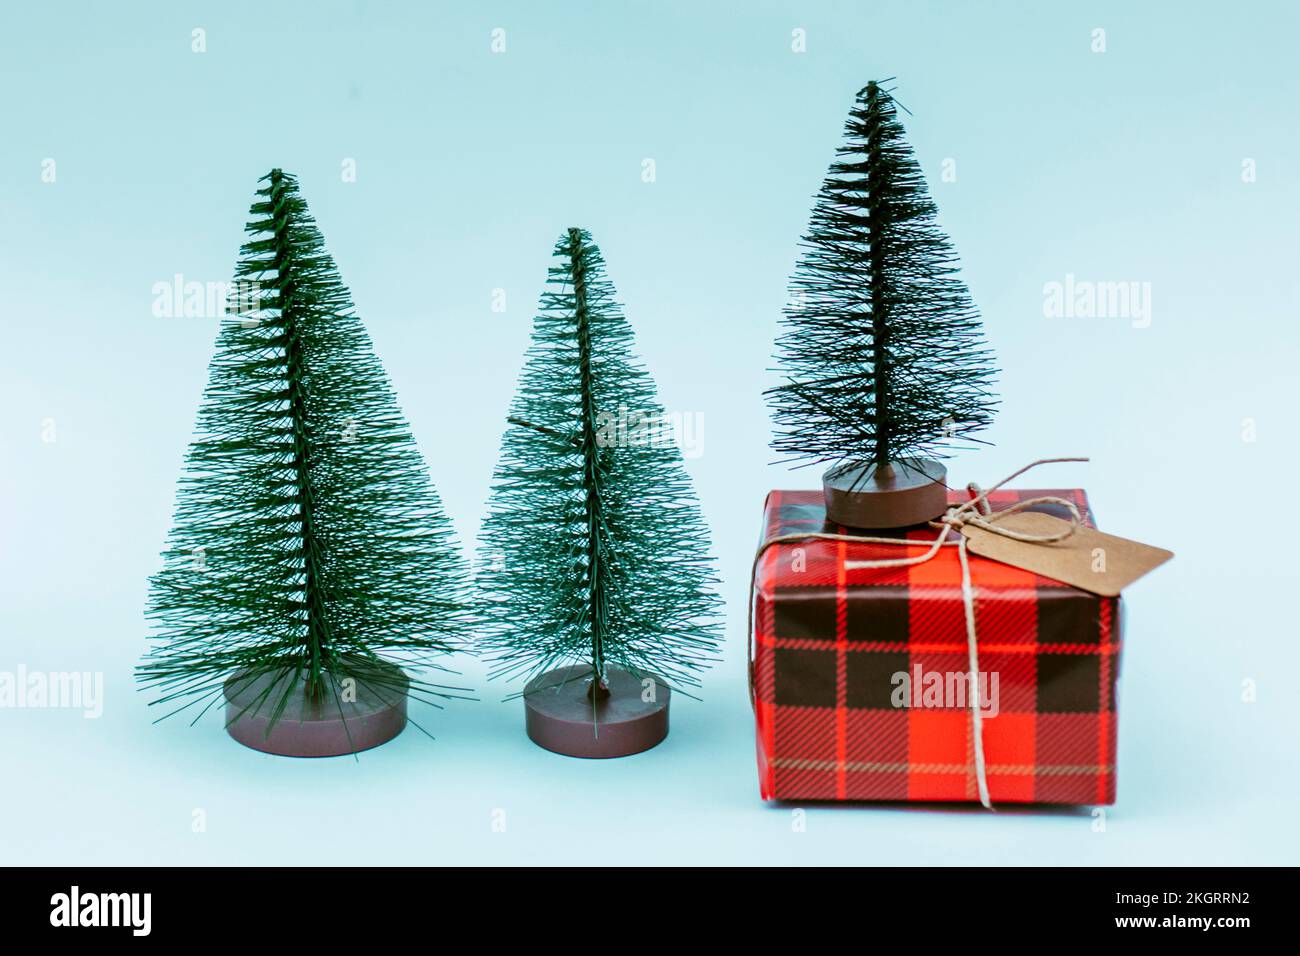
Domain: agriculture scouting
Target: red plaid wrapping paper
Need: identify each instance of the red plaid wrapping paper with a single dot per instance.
(828, 642)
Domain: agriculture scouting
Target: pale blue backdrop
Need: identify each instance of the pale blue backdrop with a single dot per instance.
(689, 139)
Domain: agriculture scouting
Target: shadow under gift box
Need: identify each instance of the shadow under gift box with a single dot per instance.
(844, 659)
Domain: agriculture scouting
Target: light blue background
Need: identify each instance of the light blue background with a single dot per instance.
(1114, 166)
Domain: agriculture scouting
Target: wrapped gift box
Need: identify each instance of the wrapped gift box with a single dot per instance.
(836, 718)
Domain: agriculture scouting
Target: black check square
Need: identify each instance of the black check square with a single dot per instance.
(804, 614)
(814, 515)
(870, 678)
(804, 678)
(1068, 616)
(881, 613)
(1068, 683)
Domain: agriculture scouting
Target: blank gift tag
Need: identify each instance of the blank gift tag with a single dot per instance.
(1087, 559)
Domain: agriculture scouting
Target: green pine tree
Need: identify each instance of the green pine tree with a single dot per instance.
(594, 551)
(307, 537)
(881, 349)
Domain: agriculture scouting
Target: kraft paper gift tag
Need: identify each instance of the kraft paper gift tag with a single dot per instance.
(1089, 559)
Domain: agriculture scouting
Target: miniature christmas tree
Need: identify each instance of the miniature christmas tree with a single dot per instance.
(310, 559)
(595, 580)
(881, 351)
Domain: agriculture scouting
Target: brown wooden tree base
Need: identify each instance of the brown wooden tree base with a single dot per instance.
(907, 492)
(562, 717)
(349, 717)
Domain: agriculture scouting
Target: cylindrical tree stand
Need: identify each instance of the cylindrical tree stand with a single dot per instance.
(564, 715)
(906, 492)
(351, 713)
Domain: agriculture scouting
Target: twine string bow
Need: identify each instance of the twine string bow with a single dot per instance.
(977, 513)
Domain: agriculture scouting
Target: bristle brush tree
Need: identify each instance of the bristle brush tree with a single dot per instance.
(311, 573)
(595, 582)
(881, 350)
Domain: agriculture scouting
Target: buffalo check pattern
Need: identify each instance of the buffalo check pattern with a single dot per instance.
(829, 641)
